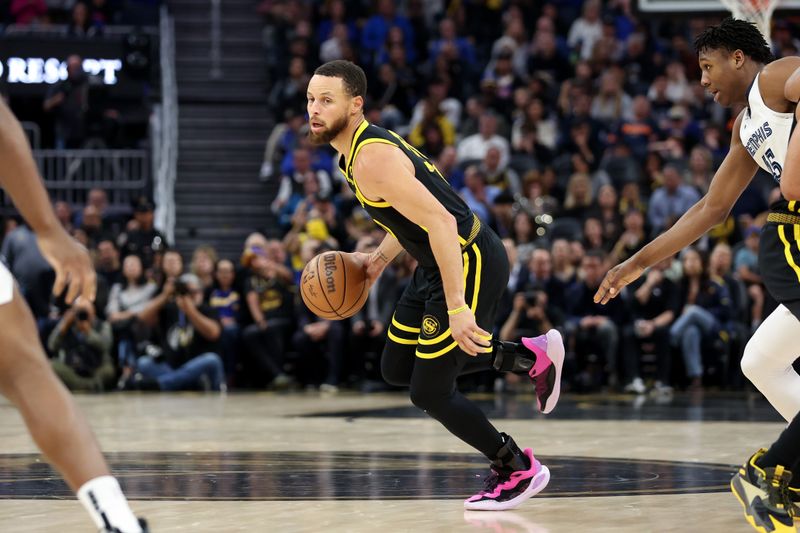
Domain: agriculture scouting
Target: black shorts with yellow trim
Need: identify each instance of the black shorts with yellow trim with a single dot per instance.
(779, 259)
(421, 318)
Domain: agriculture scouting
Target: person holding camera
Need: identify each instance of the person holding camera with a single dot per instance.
(187, 354)
(82, 343)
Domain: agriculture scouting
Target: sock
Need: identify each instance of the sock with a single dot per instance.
(103, 499)
(784, 451)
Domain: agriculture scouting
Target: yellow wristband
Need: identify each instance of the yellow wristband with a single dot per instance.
(457, 310)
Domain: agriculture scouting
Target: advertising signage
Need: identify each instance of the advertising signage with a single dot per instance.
(31, 64)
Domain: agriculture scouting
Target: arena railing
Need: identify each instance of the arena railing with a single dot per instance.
(164, 132)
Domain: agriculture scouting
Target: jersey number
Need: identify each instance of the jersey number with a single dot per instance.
(769, 160)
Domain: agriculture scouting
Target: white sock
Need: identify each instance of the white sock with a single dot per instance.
(768, 358)
(103, 499)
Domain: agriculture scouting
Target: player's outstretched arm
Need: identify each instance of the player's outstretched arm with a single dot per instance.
(20, 178)
(383, 171)
(729, 181)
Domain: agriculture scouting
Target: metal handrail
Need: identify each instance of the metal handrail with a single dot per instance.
(164, 131)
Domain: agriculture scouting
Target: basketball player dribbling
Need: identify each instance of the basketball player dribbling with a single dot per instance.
(737, 67)
(438, 331)
(26, 378)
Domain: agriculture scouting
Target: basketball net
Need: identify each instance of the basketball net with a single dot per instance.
(758, 11)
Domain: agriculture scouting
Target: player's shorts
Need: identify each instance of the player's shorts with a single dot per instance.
(421, 318)
(779, 259)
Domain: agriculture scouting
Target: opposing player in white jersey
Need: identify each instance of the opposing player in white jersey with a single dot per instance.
(26, 378)
(738, 68)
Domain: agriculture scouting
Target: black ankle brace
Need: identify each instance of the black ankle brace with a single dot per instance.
(509, 457)
(512, 357)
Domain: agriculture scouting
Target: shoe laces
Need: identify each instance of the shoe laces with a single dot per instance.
(776, 486)
(494, 478)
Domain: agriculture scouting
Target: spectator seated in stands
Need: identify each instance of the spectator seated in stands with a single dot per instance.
(226, 299)
(746, 266)
(477, 194)
(126, 300)
(654, 304)
(186, 354)
(594, 327)
(204, 260)
(705, 308)
(474, 147)
(270, 301)
(141, 237)
(107, 262)
(81, 344)
(670, 201)
(370, 323)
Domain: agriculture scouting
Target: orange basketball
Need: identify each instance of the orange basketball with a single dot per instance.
(333, 286)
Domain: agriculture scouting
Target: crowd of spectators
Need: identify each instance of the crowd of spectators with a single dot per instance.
(576, 130)
(77, 18)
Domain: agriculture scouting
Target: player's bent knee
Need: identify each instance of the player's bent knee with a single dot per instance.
(427, 400)
(752, 361)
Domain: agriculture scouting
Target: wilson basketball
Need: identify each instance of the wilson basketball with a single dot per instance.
(333, 286)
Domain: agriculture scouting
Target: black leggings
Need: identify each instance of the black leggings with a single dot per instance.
(433, 389)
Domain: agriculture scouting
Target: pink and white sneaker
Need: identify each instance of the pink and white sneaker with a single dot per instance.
(507, 490)
(546, 371)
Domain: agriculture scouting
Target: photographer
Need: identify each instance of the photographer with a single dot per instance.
(82, 344)
(188, 331)
(530, 316)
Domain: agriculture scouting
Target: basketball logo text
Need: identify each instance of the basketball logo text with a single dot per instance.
(330, 268)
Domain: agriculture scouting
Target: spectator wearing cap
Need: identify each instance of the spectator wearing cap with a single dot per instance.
(186, 356)
(141, 237)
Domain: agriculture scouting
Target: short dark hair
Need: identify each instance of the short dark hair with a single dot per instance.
(734, 34)
(353, 77)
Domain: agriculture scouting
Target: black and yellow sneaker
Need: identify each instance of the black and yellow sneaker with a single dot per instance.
(765, 496)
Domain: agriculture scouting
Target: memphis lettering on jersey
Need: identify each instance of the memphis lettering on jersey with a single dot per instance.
(757, 138)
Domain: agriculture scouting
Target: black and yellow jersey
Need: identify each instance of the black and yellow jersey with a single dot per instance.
(412, 237)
